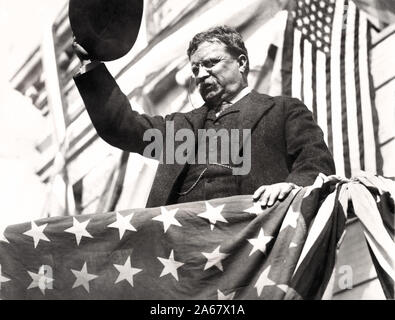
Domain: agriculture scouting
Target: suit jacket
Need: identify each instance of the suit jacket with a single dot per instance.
(286, 143)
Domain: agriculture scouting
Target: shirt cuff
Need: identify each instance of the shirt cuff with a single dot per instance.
(87, 67)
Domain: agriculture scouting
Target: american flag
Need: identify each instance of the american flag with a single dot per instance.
(373, 199)
(326, 64)
(219, 249)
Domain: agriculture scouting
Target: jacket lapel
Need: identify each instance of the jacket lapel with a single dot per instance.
(167, 174)
(254, 106)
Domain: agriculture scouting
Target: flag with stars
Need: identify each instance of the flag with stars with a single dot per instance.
(326, 64)
(221, 249)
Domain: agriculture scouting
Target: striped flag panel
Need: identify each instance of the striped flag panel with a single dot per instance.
(326, 65)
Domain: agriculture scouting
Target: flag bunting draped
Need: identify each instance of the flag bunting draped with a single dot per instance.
(227, 248)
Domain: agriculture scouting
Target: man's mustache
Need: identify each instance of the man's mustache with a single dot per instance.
(204, 87)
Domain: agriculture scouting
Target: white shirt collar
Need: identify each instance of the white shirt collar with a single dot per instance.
(240, 95)
(237, 97)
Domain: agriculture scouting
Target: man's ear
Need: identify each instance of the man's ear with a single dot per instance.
(242, 61)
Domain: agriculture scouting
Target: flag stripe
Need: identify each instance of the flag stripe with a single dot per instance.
(381, 254)
(379, 159)
(303, 68)
(380, 241)
(287, 58)
(314, 83)
(358, 94)
(321, 94)
(329, 103)
(337, 132)
(307, 74)
(387, 283)
(346, 152)
(317, 227)
(351, 92)
(367, 118)
(296, 68)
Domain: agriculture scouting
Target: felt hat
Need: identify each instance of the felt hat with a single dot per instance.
(107, 29)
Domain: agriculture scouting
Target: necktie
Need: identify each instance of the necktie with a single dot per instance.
(223, 106)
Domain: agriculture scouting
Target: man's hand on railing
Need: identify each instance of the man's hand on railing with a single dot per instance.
(269, 194)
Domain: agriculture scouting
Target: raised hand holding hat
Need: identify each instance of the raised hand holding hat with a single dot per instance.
(105, 29)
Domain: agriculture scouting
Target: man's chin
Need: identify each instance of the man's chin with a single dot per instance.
(212, 98)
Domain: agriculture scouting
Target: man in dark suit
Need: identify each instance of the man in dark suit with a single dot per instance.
(287, 146)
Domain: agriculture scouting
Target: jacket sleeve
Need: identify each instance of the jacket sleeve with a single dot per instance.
(111, 113)
(307, 151)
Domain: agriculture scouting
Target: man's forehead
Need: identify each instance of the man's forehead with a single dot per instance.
(209, 48)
